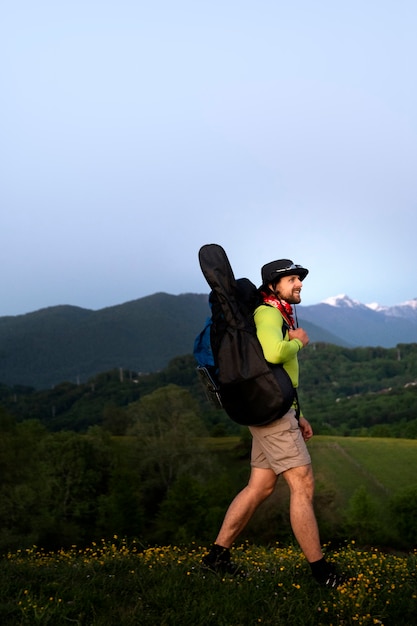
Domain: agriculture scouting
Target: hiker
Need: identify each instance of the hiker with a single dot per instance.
(278, 448)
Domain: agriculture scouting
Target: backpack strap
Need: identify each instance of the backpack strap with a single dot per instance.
(285, 328)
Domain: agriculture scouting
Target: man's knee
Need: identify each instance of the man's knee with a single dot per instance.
(264, 491)
(300, 479)
(262, 483)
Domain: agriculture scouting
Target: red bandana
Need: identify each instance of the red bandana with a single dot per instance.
(282, 306)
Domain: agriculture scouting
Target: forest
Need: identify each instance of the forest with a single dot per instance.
(343, 391)
(150, 458)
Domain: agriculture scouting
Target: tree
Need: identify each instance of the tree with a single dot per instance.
(167, 430)
(23, 482)
(120, 510)
(362, 519)
(115, 420)
(167, 434)
(79, 468)
(182, 516)
(403, 507)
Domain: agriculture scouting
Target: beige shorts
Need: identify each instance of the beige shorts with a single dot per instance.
(280, 445)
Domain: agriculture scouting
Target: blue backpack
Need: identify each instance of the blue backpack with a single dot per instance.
(228, 353)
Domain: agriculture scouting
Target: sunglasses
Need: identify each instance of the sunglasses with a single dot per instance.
(293, 266)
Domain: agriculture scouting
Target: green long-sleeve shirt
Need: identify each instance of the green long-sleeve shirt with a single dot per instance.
(276, 347)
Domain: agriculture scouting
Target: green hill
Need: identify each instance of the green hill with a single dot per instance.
(359, 391)
(70, 344)
(64, 343)
(357, 481)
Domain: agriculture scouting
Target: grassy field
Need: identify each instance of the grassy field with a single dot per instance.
(389, 463)
(343, 466)
(128, 584)
(116, 583)
(382, 466)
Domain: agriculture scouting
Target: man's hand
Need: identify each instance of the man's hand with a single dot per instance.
(299, 333)
(305, 428)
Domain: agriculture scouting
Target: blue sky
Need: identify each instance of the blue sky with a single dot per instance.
(135, 132)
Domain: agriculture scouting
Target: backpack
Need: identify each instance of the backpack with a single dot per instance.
(230, 359)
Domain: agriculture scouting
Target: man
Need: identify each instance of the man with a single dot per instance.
(278, 448)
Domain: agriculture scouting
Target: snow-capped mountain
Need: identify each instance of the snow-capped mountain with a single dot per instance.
(407, 309)
(364, 324)
(342, 301)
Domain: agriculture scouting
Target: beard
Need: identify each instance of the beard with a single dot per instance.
(293, 298)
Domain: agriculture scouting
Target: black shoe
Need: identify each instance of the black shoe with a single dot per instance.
(332, 578)
(223, 566)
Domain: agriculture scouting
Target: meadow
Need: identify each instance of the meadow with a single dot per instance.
(357, 481)
(385, 465)
(121, 583)
(129, 582)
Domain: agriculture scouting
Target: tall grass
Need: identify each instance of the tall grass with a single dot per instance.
(116, 583)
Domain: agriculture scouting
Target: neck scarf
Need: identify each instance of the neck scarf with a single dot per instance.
(283, 307)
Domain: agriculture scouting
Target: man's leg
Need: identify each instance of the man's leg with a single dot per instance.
(304, 524)
(303, 520)
(261, 484)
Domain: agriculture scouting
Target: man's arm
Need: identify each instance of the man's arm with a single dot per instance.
(276, 348)
(305, 428)
(299, 333)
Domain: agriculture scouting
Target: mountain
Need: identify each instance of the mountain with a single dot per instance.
(365, 324)
(67, 343)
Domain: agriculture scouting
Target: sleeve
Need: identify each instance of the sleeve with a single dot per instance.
(276, 348)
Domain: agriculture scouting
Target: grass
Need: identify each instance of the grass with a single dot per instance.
(383, 465)
(343, 467)
(116, 583)
(375, 455)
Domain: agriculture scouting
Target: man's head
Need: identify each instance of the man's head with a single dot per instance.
(284, 279)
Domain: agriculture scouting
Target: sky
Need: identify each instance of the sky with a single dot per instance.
(132, 133)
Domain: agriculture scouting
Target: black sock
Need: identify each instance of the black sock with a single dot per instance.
(219, 553)
(321, 568)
